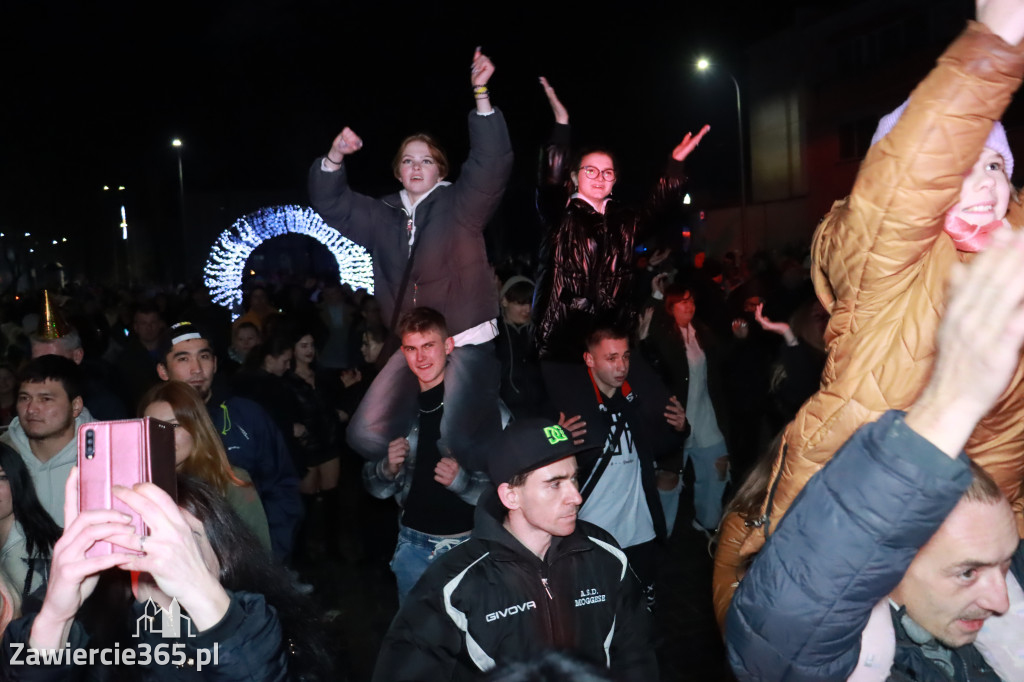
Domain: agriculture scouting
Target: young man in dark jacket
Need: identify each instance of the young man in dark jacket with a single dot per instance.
(252, 441)
(531, 579)
(634, 420)
(900, 559)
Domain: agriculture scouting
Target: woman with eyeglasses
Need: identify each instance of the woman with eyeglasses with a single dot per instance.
(587, 256)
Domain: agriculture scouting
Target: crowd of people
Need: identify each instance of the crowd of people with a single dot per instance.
(534, 421)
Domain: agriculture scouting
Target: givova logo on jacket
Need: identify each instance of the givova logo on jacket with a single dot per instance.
(511, 611)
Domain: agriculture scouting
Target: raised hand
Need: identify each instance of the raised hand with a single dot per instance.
(689, 143)
(659, 256)
(658, 284)
(557, 108)
(644, 329)
(979, 342)
(347, 142)
(73, 577)
(482, 69)
(1005, 18)
(177, 554)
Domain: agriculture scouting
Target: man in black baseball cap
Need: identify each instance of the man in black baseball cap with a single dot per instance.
(530, 579)
(248, 433)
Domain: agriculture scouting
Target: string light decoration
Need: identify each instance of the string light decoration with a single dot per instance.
(226, 264)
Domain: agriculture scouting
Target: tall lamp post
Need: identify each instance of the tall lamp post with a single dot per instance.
(176, 143)
(703, 64)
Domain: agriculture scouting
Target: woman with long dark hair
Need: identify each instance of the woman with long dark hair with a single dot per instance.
(199, 554)
(587, 256)
(27, 532)
(318, 445)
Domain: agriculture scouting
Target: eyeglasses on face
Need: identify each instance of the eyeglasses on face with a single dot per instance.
(593, 171)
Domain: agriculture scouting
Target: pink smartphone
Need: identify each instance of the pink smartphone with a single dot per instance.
(123, 452)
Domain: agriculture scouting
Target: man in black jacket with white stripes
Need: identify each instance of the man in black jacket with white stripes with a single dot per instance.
(531, 579)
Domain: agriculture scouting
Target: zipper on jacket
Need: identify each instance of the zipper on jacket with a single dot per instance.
(549, 607)
(415, 290)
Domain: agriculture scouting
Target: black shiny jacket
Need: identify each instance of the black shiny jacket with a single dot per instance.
(587, 257)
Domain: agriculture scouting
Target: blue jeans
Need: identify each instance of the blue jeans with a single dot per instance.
(414, 553)
(707, 487)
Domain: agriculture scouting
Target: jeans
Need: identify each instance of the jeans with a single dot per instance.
(670, 505)
(414, 553)
(707, 488)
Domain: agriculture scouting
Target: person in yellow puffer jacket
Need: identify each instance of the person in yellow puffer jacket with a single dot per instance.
(923, 200)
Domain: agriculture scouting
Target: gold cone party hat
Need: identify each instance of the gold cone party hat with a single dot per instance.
(52, 324)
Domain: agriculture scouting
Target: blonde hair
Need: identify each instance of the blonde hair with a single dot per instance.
(208, 459)
(10, 603)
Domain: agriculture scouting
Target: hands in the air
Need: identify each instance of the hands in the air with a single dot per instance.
(689, 143)
(557, 108)
(347, 142)
(481, 70)
(1005, 18)
(978, 341)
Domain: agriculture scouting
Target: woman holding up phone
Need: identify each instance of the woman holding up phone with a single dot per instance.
(199, 452)
(197, 552)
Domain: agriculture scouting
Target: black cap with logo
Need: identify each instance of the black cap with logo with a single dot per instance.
(529, 444)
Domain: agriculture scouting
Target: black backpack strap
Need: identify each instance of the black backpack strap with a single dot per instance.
(602, 463)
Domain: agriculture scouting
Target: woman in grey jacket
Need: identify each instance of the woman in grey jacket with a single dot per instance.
(428, 250)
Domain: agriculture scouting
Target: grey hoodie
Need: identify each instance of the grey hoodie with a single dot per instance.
(48, 477)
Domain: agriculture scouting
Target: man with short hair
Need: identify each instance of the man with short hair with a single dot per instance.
(44, 433)
(630, 413)
(531, 579)
(249, 435)
(431, 482)
(138, 360)
(901, 559)
(100, 400)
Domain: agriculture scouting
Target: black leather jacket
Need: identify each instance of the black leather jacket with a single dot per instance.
(586, 257)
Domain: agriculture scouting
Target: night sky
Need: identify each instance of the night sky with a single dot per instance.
(94, 92)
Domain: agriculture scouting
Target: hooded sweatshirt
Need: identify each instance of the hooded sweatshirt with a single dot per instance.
(48, 477)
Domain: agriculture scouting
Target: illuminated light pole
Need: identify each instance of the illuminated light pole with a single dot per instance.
(124, 235)
(703, 64)
(176, 143)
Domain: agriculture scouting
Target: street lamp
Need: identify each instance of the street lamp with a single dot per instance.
(176, 143)
(703, 64)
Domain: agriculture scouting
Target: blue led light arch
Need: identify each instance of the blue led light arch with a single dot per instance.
(225, 266)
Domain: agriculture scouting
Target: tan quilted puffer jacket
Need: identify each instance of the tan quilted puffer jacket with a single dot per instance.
(881, 260)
